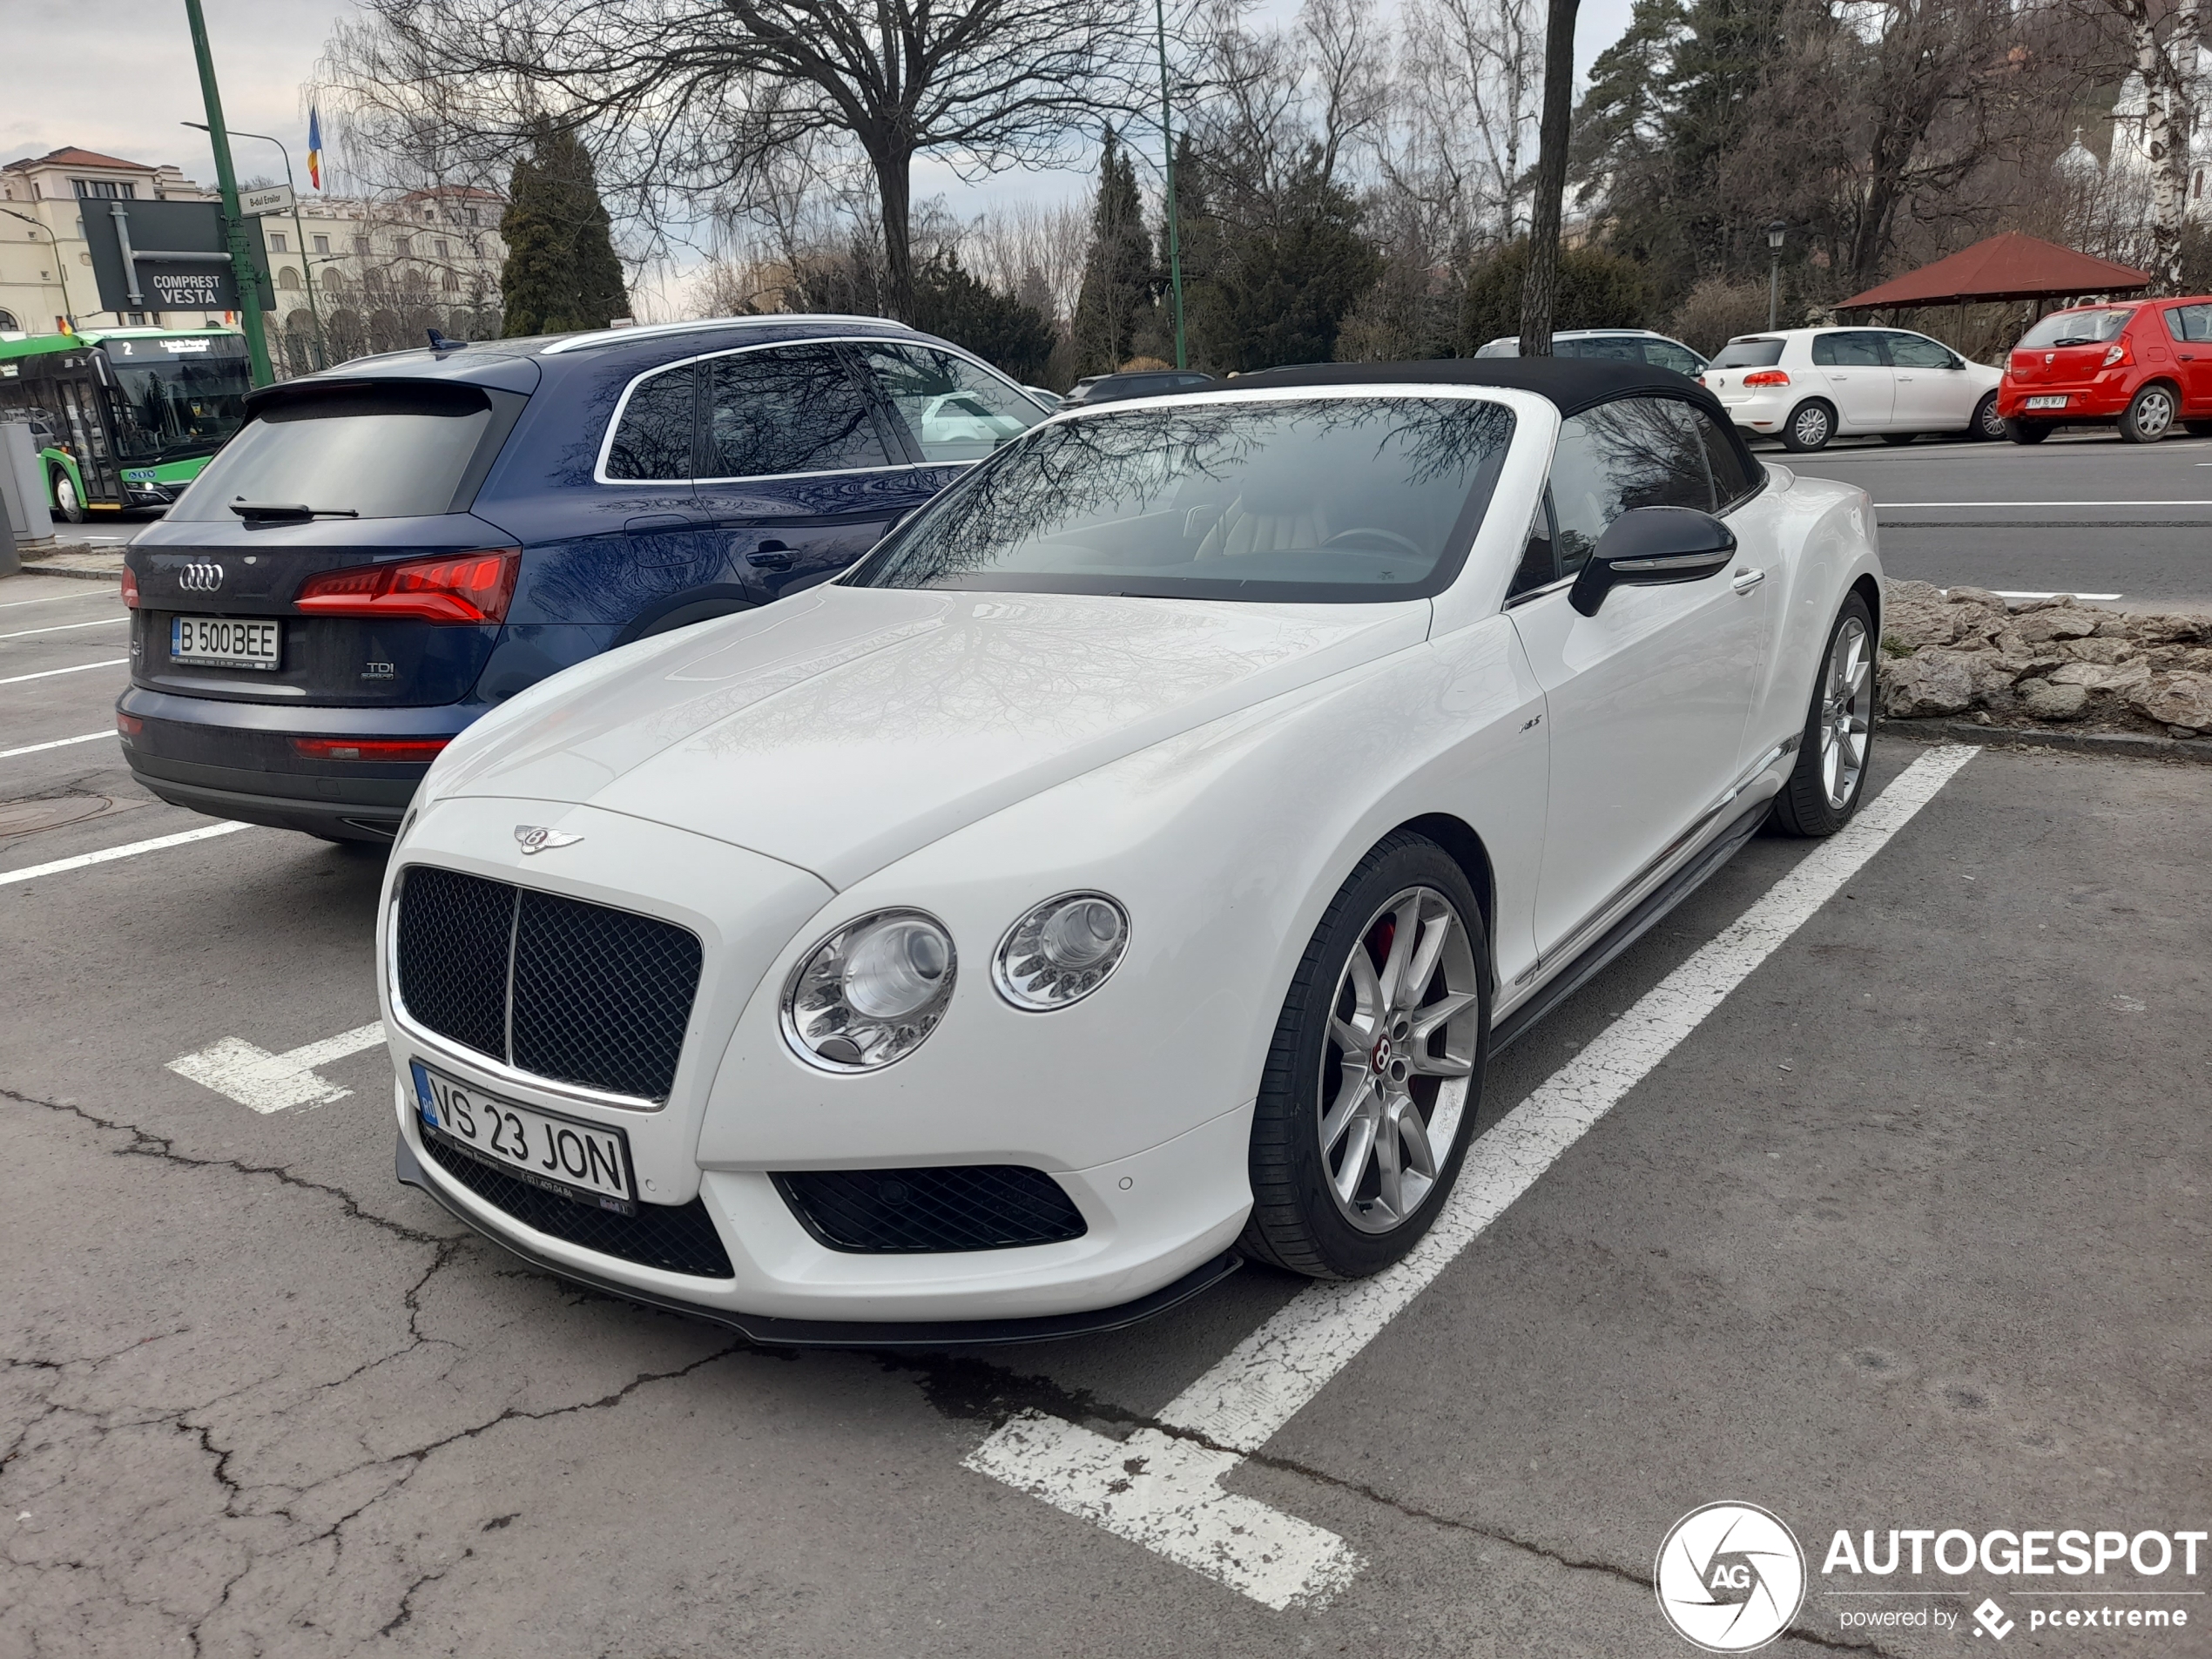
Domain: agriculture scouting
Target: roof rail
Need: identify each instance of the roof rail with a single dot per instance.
(607, 336)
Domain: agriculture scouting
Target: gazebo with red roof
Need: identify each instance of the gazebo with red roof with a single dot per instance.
(2010, 267)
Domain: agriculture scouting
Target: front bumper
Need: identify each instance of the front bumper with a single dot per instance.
(824, 1334)
(1763, 413)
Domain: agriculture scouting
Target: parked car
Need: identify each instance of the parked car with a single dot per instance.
(1618, 345)
(2140, 366)
(389, 550)
(1807, 386)
(1132, 863)
(1153, 383)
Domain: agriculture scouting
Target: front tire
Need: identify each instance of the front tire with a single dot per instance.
(1898, 440)
(1825, 786)
(2027, 431)
(1374, 1078)
(2149, 415)
(1809, 426)
(1987, 425)
(69, 506)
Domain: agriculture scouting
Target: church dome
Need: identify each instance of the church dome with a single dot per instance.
(2076, 165)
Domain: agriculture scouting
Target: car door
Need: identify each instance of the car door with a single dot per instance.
(798, 471)
(1934, 393)
(652, 543)
(2190, 328)
(950, 411)
(1647, 701)
(1861, 384)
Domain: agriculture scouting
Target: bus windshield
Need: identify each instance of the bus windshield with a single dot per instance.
(177, 395)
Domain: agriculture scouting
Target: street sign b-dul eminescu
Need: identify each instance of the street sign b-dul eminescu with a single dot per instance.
(167, 256)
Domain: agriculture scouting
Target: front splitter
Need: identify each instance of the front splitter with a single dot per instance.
(825, 1333)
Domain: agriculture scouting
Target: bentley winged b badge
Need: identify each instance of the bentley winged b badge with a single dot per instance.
(535, 838)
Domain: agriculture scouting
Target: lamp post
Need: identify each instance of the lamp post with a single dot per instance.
(242, 271)
(69, 313)
(307, 272)
(1774, 235)
(1167, 138)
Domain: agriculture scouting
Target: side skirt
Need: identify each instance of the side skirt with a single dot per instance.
(1624, 932)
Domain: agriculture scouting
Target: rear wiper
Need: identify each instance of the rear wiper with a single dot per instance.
(268, 509)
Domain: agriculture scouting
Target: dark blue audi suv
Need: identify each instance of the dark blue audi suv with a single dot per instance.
(389, 549)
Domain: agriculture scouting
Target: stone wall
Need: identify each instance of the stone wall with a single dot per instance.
(2034, 662)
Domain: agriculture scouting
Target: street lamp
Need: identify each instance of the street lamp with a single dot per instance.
(306, 271)
(1775, 233)
(1167, 141)
(69, 313)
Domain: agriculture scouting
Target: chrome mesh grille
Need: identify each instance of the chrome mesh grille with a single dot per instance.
(598, 997)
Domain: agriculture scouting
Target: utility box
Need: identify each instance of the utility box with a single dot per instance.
(22, 486)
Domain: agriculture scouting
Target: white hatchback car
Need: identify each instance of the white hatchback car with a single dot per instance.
(1130, 864)
(1806, 386)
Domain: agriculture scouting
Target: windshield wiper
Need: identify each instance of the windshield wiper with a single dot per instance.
(285, 509)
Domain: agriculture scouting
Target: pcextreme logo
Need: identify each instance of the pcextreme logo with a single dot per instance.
(1730, 1577)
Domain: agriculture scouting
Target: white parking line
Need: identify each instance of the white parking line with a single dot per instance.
(1164, 1491)
(48, 673)
(56, 598)
(272, 1082)
(108, 854)
(63, 628)
(55, 743)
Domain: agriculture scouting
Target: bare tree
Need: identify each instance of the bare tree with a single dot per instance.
(1470, 75)
(699, 99)
(1542, 287)
(2166, 64)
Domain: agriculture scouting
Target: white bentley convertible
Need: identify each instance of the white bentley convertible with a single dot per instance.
(1129, 867)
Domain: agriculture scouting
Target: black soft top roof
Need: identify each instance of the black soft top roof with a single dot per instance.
(1572, 383)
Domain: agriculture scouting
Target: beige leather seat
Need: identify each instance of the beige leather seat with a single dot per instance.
(1266, 519)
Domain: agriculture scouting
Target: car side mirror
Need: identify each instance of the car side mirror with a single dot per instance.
(1649, 547)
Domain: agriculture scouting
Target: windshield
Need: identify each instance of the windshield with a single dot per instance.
(399, 452)
(2077, 327)
(1748, 353)
(1336, 500)
(178, 397)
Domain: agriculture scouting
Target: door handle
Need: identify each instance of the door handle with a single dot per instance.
(770, 555)
(1747, 580)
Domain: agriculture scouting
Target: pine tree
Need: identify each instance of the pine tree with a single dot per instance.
(562, 273)
(1000, 328)
(1117, 273)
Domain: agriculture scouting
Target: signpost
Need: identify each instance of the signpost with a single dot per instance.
(234, 222)
(172, 256)
(277, 199)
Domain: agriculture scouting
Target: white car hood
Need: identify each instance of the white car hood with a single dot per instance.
(844, 727)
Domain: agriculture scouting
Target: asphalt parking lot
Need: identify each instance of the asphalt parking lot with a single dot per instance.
(2082, 512)
(1901, 1224)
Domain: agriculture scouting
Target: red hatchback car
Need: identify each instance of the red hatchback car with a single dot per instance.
(2141, 365)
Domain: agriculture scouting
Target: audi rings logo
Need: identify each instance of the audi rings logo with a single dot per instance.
(201, 575)
(1731, 1577)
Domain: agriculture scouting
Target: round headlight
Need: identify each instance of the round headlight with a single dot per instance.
(871, 992)
(1062, 951)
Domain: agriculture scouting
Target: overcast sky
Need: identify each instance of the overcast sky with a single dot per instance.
(117, 76)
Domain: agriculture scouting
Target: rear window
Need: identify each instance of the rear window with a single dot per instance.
(1751, 352)
(372, 452)
(2078, 327)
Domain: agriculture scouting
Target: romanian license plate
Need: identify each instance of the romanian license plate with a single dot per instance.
(587, 1164)
(2047, 402)
(223, 642)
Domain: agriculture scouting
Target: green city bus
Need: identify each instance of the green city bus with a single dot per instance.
(124, 417)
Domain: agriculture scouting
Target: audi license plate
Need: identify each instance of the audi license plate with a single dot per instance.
(587, 1164)
(221, 642)
(2047, 402)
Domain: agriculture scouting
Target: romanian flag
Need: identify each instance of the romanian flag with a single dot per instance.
(314, 147)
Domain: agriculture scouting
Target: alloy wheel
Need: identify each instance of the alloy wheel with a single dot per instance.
(1844, 711)
(1992, 424)
(1811, 426)
(1403, 1030)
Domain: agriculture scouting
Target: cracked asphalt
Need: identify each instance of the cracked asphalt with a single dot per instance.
(1910, 1233)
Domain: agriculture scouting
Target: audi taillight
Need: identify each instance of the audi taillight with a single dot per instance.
(129, 588)
(385, 749)
(1767, 377)
(458, 587)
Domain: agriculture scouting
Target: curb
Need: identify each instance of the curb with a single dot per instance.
(82, 573)
(2133, 746)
